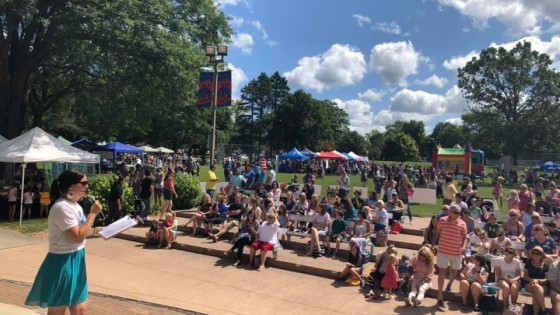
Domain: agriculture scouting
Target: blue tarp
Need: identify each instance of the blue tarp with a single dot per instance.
(294, 154)
(117, 147)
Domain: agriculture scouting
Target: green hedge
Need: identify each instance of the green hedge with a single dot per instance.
(188, 190)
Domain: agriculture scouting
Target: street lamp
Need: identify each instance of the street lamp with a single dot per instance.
(213, 52)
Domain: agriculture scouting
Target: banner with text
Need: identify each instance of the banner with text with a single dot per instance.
(206, 86)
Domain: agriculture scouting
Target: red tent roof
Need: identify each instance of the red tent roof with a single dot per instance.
(331, 155)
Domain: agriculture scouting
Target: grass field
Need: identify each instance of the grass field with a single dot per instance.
(421, 210)
(27, 226)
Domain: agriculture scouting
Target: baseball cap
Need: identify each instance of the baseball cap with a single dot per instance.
(405, 258)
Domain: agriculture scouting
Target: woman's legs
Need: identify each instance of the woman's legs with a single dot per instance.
(476, 292)
(421, 293)
(464, 289)
(538, 298)
(314, 240)
(12, 212)
(78, 309)
(59, 310)
(504, 286)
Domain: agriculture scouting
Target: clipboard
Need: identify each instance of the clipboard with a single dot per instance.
(117, 227)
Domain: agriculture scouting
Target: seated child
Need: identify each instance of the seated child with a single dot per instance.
(337, 232)
(152, 234)
(405, 271)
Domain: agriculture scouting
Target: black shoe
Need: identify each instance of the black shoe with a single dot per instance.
(316, 254)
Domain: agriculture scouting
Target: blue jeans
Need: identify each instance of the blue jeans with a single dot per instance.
(211, 192)
(146, 210)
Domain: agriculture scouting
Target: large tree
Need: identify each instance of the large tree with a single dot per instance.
(303, 121)
(116, 61)
(514, 97)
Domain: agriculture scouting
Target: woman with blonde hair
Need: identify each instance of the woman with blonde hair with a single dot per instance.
(423, 265)
(378, 271)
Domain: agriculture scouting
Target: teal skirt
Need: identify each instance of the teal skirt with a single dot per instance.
(61, 281)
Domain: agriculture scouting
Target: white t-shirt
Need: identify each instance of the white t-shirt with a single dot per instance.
(320, 219)
(267, 232)
(344, 183)
(509, 271)
(63, 216)
(27, 197)
(383, 214)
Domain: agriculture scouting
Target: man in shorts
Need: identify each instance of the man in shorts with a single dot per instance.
(234, 212)
(451, 239)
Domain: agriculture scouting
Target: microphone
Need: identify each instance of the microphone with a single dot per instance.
(91, 199)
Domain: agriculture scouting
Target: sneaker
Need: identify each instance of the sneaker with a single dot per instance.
(408, 302)
(441, 305)
(464, 307)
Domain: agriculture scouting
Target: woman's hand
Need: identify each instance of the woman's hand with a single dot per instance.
(96, 207)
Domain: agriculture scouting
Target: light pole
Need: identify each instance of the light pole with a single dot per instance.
(213, 52)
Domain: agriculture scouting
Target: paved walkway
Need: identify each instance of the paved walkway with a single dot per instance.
(125, 278)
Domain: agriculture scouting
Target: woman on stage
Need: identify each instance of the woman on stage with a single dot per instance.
(61, 281)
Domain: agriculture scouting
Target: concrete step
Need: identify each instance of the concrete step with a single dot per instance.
(292, 258)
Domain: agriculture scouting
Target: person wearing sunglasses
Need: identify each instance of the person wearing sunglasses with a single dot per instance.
(508, 274)
(451, 239)
(513, 227)
(61, 281)
(543, 240)
(534, 278)
(500, 243)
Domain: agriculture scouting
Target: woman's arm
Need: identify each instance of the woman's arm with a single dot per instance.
(526, 275)
(463, 274)
(482, 277)
(78, 233)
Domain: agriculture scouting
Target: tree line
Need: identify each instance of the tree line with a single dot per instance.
(128, 70)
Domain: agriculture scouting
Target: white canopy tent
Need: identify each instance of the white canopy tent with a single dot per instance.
(36, 145)
(147, 148)
(164, 150)
(2, 139)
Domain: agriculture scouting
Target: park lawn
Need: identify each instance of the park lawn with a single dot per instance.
(27, 226)
(421, 210)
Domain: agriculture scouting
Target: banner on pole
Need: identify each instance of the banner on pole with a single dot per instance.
(206, 86)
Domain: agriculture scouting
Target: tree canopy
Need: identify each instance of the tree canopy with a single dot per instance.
(514, 97)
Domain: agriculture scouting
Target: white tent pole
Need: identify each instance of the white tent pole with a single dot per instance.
(23, 165)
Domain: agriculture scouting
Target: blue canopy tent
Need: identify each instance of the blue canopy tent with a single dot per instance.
(117, 147)
(294, 154)
(550, 167)
(308, 153)
(349, 157)
(84, 144)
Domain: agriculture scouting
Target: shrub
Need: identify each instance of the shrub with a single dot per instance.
(188, 190)
(100, 187)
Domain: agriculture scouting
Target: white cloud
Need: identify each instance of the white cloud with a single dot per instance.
(236, 21)
(260, 28)
(391, 28)
(459, 61)
(456, 121)
(551, 48)
(232, 3)
(238, 78)
(405, 105)
(341, 65)
(424, 103)
(372, 94)
(244, 42)
(433, 80)
(361, 20)
(520, 16)
(360, 114)
(395, 61)
(465, 29)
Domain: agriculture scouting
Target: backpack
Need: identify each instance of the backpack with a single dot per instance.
(487, 303)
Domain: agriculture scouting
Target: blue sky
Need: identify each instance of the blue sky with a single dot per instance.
(382, 61)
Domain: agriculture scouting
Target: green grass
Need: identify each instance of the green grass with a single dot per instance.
(27, 226)
(421, 210)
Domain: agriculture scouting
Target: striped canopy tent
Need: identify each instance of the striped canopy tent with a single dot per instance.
(358, 157)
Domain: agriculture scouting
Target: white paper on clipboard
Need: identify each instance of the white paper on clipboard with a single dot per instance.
(117, 227)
